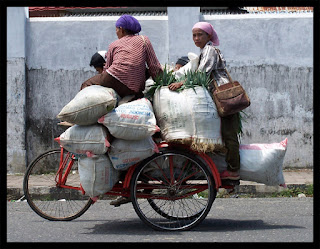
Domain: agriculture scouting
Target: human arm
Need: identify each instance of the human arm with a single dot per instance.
(175, 86)
(152, 60)
(109, 58)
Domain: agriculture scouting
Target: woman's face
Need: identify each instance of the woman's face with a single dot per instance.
(99, 69)
(200, 37)
(119, 32)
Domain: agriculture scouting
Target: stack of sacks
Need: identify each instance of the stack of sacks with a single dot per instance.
(188, 117)
(260, 163)
(132, 124)
(90, 140)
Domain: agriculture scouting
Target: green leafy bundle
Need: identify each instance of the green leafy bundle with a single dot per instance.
(191, 79)
(163, 79)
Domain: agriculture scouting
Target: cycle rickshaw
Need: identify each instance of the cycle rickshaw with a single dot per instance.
(171, 190)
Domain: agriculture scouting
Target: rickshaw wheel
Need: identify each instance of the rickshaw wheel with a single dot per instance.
(172, 190)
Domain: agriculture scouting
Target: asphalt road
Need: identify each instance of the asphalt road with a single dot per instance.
(230, 220)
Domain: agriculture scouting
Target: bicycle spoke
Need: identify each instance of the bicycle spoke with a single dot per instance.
(171, 183)
(56, 203)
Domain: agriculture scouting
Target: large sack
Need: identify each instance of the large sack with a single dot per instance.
(125, 153)
(131, 121)
(97, 176)
(89, 105)
(260, 163)
(85, 139)
(188, 117)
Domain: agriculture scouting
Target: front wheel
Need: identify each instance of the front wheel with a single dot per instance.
(45, 196)
(172, 190)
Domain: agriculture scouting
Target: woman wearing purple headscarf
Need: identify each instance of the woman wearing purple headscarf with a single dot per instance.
(206, 38)
(125, 68)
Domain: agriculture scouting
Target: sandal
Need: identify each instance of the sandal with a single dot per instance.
(226, 175)
(120, 200)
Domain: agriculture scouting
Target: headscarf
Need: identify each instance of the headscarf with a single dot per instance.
(183, 60)
(130, 23)
(98, 59)
(208, 28)
(103, 53)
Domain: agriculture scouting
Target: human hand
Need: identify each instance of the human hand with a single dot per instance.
(175, 86)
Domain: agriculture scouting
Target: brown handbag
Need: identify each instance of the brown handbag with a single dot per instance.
(229, 98)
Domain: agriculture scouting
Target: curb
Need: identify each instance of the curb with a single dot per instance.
(14, 193)
(263, 189)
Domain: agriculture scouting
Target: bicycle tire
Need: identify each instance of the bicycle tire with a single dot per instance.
(171, 206)
(44, 196)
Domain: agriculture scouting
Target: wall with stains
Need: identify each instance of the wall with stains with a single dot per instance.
(59, 52)
(16, 89)
(272, 56)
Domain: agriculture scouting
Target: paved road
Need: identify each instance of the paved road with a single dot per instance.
(247, 220)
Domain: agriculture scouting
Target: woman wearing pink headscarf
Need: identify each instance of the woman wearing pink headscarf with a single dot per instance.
(206, 38)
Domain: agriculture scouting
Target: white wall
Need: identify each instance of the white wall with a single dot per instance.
(181, 21)
(16, 27)
(16, 88)
(69, 42)
(272, 56)
(265, 38)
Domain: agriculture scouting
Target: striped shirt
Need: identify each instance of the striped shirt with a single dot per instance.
(127, 58)
(210, 61)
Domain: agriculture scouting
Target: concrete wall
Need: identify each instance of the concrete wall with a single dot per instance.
(272, 56)
(180, 34)
(59, 52)
(16, 88)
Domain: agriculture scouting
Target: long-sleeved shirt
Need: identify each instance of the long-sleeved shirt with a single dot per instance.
(210, 61)
(127, 58)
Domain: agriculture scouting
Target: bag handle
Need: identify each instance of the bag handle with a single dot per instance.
(229, 76)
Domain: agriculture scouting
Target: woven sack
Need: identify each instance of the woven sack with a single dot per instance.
(131, 121)
(261, 163)
(125, 153)
(85, 139)
(188, 117)
(97, 176)
(89, 105)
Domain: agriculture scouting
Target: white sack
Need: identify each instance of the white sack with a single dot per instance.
(85, 139)
(97, 176)
(189, 116)
(131, 121)
(89, 105)
(260, 163)
(124, 153)
(191, 66)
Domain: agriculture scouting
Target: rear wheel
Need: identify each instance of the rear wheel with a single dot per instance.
(172, 190)
(48, 200)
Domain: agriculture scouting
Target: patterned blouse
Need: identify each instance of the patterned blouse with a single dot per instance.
(127, 58)
(210, 61)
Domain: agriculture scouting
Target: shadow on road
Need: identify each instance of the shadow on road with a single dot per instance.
(225, 225)
(137, 227)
